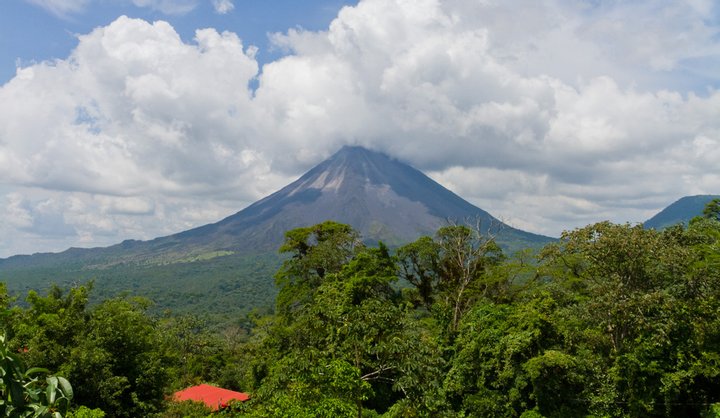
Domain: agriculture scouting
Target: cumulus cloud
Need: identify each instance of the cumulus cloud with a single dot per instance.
(549, 115)
(135, 113)
(223, 6)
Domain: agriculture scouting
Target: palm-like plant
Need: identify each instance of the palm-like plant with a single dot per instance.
(26, 393)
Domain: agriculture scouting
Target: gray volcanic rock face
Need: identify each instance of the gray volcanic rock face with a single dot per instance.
(376, 195)
(379, 196)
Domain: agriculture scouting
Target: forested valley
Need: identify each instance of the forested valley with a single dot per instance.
(612, 320)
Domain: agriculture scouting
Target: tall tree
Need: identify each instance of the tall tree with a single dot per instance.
(452, 271)
(315, 252)
(352, 346)
(51, 325)
(640, 313)
(419, 264)
(118, 364)
(712, 210)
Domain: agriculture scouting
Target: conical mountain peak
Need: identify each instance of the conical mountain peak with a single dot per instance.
(350, 167)
(383, 198)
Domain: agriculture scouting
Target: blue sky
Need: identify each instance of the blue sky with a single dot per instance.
(133, 119)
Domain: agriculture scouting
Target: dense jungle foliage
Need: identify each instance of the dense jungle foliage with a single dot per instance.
(612, 320)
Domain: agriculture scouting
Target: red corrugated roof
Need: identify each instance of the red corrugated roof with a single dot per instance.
(212, 396)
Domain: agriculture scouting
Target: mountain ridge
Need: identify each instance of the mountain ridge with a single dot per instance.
(680, 211)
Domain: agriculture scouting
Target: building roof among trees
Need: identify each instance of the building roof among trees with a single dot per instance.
(214, 397)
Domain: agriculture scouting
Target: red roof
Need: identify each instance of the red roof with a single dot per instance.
(212, 396)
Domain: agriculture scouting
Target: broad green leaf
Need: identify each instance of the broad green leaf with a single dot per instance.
(50, 390)
(36, 370)
(65, 387)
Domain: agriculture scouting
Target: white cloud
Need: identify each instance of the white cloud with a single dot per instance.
(171, 7)
(223, 6)
(66, 8)
(61, 8)
(536, 111)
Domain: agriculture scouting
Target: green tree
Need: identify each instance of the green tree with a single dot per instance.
(452, 271)
(4, 299)
(118, 364)
(419, 265)
(194, 353)
(352, 345)
(186, 409)
(112, 352)
(51, 325)
(510, 360)
(85, 412)
(315, 252)
(637, 311)
(712, 210)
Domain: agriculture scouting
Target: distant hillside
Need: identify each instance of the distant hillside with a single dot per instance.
(231, 262)
(681, 211)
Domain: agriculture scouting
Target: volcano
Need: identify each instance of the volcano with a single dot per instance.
(381, 197)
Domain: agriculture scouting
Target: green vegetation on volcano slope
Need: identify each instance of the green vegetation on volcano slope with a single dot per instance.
(681, 211)
(222, 287)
